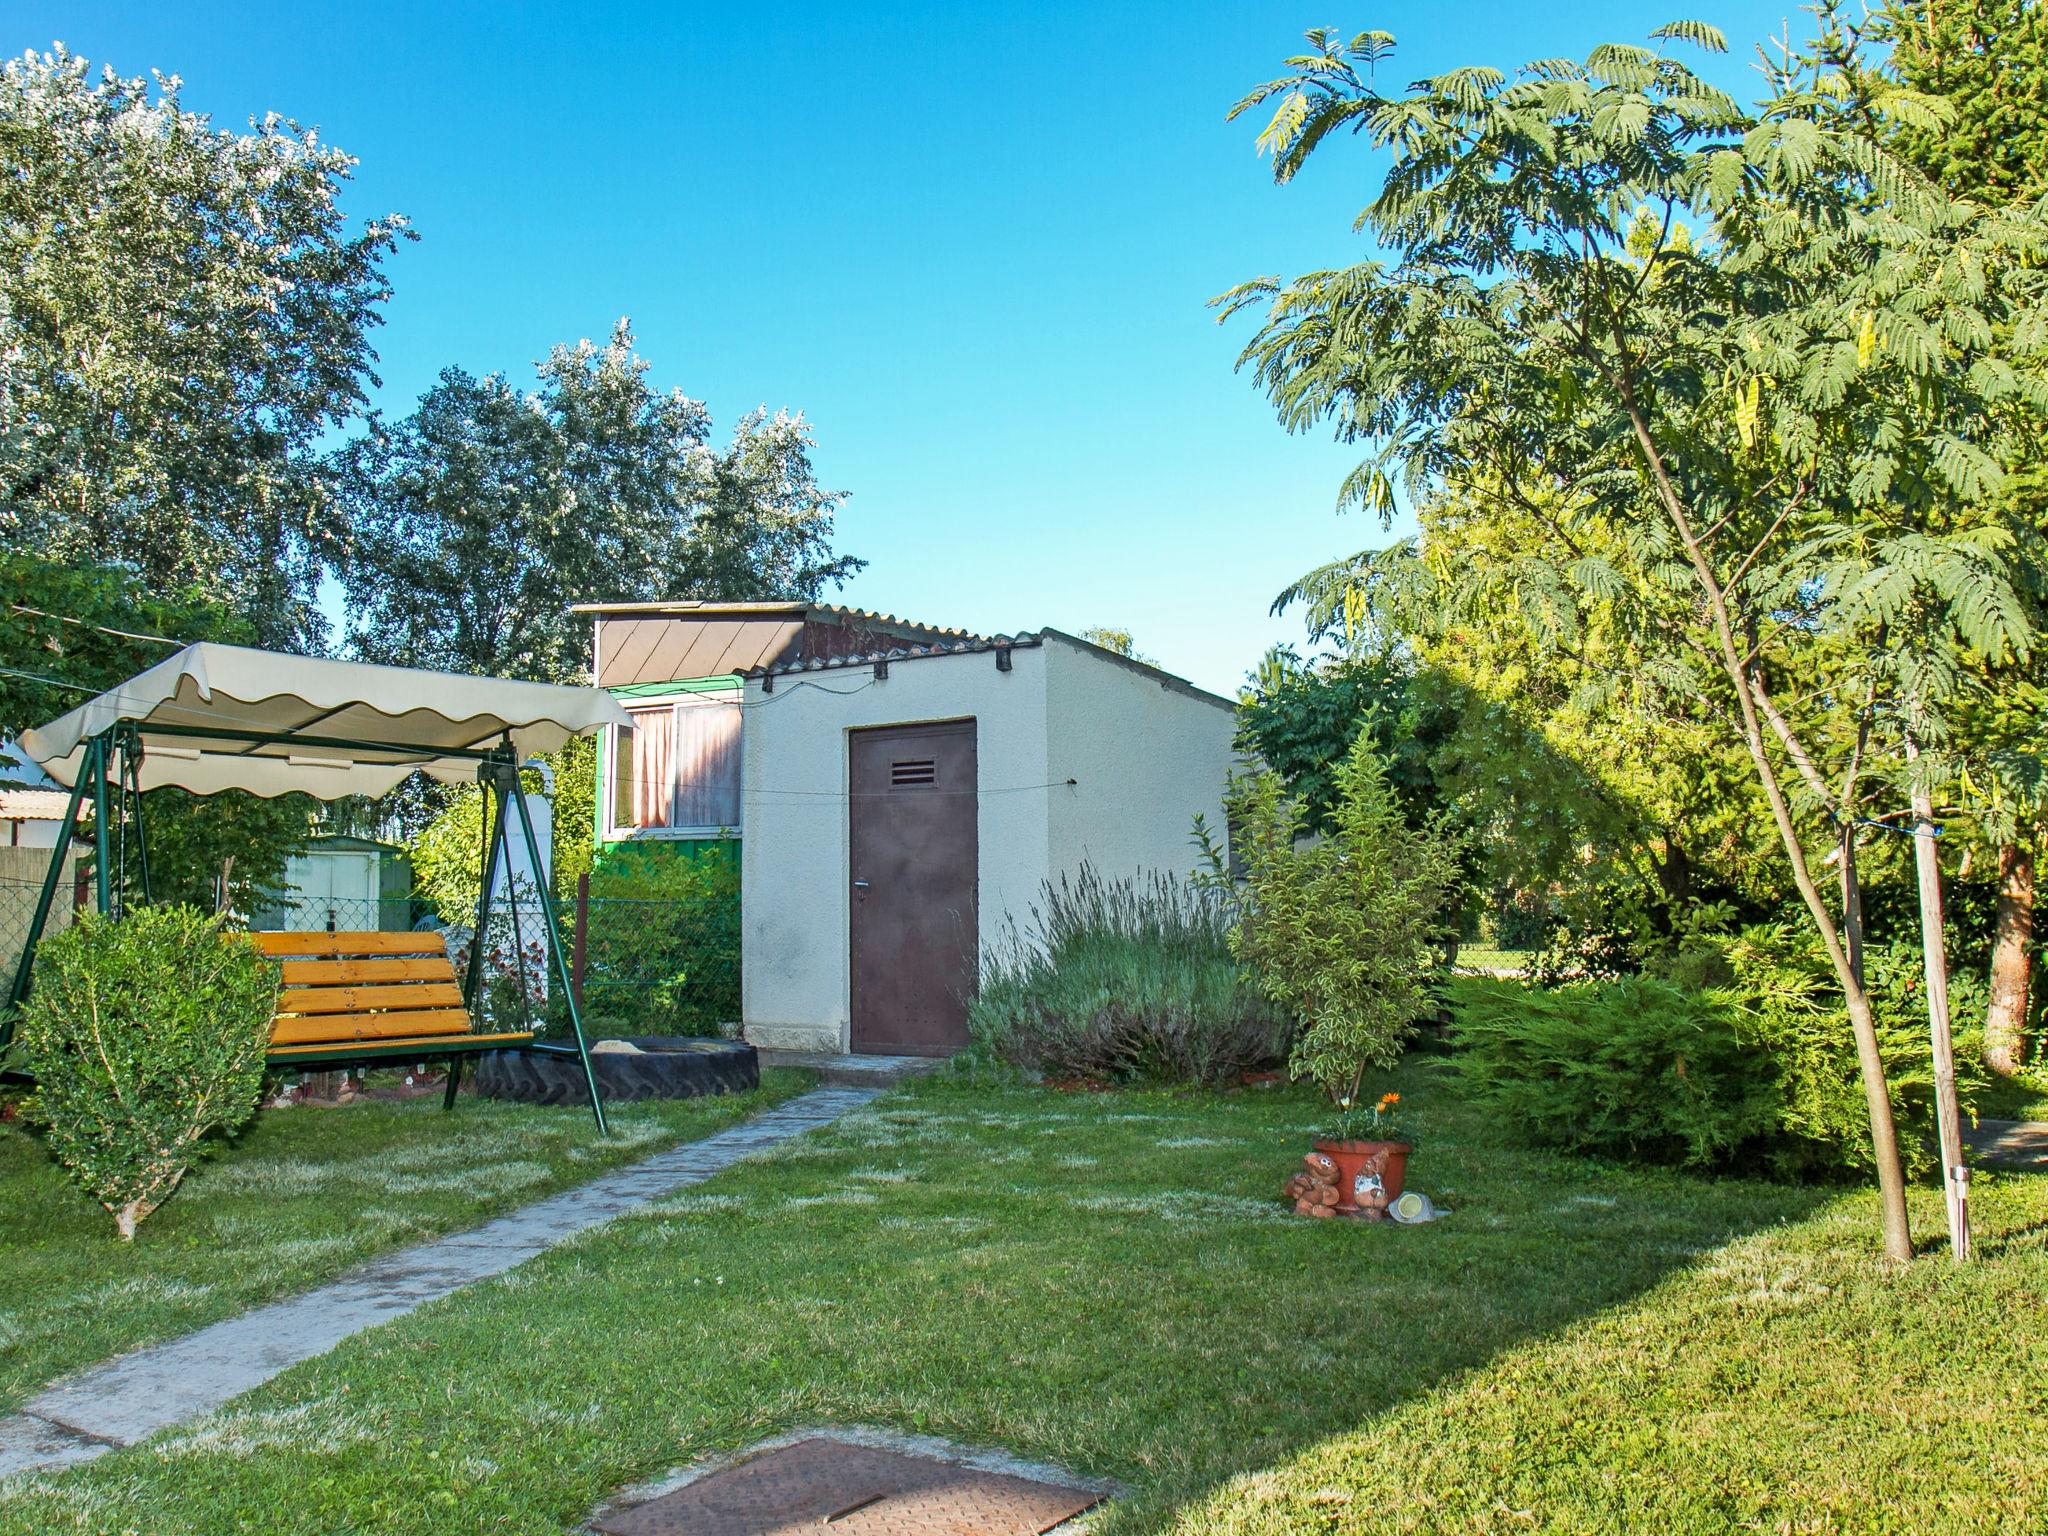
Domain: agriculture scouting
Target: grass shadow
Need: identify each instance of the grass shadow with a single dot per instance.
(299, 1196)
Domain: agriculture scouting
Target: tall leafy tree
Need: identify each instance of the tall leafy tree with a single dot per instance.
(1986, 62)
(1622, 808)
(184, 312)
(1788, 430)
(479, 519)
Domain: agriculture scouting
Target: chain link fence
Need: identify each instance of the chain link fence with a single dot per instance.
(21, 883)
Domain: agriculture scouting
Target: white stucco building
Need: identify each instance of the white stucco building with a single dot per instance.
(903, 794)
(1079, 756)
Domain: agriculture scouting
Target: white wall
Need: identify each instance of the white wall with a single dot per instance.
(29, 832)
(794, 878)
(1147, 753)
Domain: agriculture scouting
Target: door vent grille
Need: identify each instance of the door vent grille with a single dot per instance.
(914, 770)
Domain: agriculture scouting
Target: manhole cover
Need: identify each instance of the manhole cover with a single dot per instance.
(852, 1490)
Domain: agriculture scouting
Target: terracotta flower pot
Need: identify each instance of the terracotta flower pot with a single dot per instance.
(1359, 1163)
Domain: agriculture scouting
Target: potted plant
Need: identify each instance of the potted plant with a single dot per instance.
(1372, 1166)
(1340, 925)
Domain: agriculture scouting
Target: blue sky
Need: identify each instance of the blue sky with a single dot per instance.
(973, 245)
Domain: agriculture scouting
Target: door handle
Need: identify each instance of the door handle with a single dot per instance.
(860, 885)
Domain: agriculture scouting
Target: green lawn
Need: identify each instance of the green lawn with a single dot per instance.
(303, 1194)
(1494, 962)
(1107, 1281)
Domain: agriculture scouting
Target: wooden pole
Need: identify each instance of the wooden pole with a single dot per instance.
(1955, 1174)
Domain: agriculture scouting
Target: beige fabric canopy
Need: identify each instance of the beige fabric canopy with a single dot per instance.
(344, 727)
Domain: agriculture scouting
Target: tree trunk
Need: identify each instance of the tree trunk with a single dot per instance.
(2012, 960)
(130, 1216)
(1934, 956)
(1884, 1141)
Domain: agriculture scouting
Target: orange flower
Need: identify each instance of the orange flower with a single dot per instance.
(1389, 1100)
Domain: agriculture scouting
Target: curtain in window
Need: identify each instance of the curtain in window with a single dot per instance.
(653, 775)
(707, 764)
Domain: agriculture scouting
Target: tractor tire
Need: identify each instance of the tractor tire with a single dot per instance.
(665, 1067)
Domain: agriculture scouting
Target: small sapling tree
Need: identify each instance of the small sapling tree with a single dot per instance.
(144, 1036)
(1342, 928)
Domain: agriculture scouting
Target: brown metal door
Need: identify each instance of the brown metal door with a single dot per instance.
(915, 862)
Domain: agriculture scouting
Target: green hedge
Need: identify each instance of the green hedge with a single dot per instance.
(663, 947)
(1760, 1073)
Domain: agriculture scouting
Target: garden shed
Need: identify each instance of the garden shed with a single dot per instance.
(903, 806)
(898, 794)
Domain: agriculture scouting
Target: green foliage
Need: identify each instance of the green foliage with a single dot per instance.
(663, 949)
(479, 519)
(447, 852)
(1117, 640)
(238, 842)
(1756, 1070)
(1986, 62)
(1126, 981)
(184, 312)
(145, 1037)
(1757, 385)
(1784, 1005)
(71, 631)
(1300, 718)
(1635, 1069)
(1341, 929)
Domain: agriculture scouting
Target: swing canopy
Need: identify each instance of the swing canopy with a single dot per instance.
(218, 717)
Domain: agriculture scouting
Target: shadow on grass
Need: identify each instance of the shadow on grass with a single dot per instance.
(1107, 1282)
(299, 1196)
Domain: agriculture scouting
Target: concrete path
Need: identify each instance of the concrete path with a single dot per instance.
(844, 1070)
(129, 1399)
(2011, 1144)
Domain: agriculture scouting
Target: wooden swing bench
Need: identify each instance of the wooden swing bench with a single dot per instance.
(358, 997)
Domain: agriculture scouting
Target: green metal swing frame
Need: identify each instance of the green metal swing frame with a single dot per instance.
(117, 751)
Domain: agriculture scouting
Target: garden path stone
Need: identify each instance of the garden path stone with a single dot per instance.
(2010, 1144)
(129, 1399)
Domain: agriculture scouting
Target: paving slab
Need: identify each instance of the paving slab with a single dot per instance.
(2021, 1145)
(847, 1069)
(135, 1396)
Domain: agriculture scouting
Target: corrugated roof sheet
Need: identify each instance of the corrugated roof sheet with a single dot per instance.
(33, 804)
(967, 646)
(979, 644)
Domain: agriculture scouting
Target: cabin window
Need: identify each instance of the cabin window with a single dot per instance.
(676, 769)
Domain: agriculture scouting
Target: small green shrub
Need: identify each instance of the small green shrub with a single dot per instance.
(144, 1036)
(1633, 1068)
(1126, 981)
(1342, 929)
(1789, 1006)
(1758, 1072)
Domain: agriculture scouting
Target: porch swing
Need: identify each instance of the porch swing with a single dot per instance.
(218, 717)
